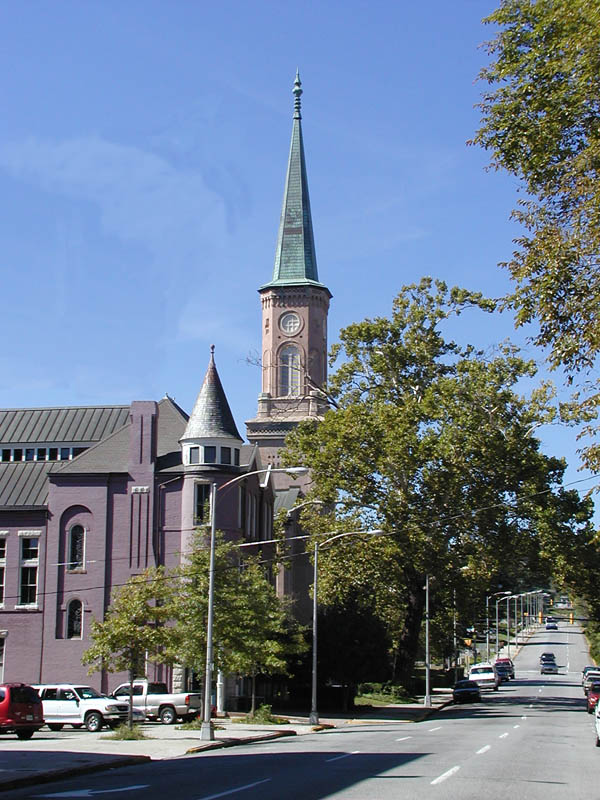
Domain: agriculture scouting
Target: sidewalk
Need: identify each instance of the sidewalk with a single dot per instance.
(51, 756)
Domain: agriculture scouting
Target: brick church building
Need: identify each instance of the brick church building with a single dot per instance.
(90, 496)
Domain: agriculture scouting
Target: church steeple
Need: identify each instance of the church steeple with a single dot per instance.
(295, 258)
(294, 317)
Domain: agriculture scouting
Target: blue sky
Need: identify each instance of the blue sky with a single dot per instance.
(143, 150)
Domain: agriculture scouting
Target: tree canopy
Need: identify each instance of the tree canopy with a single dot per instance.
(432, 443)
(541, 123)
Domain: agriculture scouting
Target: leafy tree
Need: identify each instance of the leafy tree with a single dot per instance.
(541, 123)
(252, 632)
(135, 625)
(431, 443)
(269, 635)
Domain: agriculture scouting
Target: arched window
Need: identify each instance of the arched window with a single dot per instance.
(289, 371)
(74, 619)
(76, 547)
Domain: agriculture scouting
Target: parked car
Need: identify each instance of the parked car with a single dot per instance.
(587, 669)
(592, 696)
(485, 676)
(156, 702)
(597, 723)
(593, 676)
(466, 691)
(503, 671)
(20, 710)
(549, 668)
(507, 662)
(76, 705)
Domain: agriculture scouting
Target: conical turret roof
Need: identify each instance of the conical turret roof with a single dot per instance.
(295, 258)
(211, 417)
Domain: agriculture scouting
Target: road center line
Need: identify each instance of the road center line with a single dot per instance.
(344, 755)
(445, 776)
(439, 728)
(233, 791)
(484, 749)
(503, 735)
(404, 738)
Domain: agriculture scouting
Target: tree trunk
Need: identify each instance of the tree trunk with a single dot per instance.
(408, 646)
(253, 705)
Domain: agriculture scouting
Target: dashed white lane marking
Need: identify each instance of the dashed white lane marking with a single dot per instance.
(503, 735)
(233, 791)
(404, 738)
(439, 728)
(523, 717)
(445, 776)
(539, 691)
(516, 726)
(345, 755)
(484, 749)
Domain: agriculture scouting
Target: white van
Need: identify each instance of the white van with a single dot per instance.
(485, 676)
(76, 705)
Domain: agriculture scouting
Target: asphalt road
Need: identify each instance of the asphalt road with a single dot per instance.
(532, 740)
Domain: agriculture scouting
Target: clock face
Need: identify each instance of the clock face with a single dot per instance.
(289, 323)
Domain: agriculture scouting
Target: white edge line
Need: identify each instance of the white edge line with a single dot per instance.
(233, 791)
(484, 749)
(446, 775)
(337, 758)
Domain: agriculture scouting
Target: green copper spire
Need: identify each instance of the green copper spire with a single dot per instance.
(295, 259)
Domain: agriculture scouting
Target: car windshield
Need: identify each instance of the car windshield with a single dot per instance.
(87, 693)
(480, 670)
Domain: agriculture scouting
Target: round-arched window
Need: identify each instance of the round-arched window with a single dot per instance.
(289, 371)
(76, 548)
(74, 619)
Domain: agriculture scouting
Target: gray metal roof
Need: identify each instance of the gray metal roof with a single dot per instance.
(71, 425)
(24, 484)
(211, 417)
(286, 498)
(295, 257)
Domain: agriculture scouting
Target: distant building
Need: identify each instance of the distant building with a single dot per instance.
(90, 496)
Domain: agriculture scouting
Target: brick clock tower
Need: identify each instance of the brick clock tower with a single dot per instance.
(294, 318)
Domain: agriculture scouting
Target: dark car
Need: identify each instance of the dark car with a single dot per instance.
(20, 710)
(593, 696)
(504, 672)
(551, 626)
(508, 663)
(466, 692)
(547, 657)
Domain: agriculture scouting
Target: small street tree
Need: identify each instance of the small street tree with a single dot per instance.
(431, 442)
(135, 627)
(252, 631)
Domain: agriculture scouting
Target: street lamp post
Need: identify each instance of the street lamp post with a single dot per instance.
(427, 698)
(499, 600)
(487, 622)
(206, 729)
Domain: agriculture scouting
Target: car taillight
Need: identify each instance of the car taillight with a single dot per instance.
(187, 700)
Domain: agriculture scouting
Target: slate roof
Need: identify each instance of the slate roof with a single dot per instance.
(211, 417)
(73, 425)
(295, 257)
(112, 453)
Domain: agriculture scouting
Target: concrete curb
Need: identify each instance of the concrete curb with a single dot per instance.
(69, 772)
(219, 743)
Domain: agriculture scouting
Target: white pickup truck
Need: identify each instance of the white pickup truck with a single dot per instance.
(157, 703)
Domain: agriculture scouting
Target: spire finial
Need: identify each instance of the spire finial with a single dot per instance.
(297, 90)
(212, 352)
